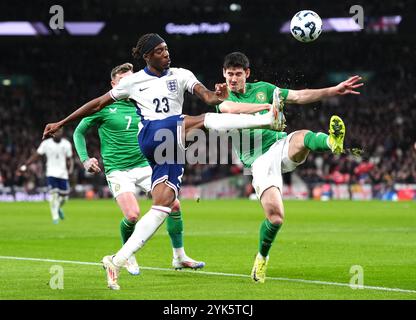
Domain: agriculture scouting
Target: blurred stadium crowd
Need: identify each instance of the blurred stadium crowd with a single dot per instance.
(58, 76)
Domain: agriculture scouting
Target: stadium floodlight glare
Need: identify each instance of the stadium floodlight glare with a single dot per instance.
(343, 24)
(84, 28)
(235, 7)
(27, 28)
(17, 28)
(41, 28)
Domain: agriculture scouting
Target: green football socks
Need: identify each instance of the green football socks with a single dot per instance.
(268, 232)
(174, 225)
(316, 141)
(126, 229)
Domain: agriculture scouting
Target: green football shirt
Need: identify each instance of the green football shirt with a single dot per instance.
(255, 142)
(117, 128)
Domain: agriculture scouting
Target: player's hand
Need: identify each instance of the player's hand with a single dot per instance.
(221, 91)
(21, 169)
(91, 165)
(50, 129)
(348, 86)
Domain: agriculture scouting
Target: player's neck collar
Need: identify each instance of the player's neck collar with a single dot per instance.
(150, 73)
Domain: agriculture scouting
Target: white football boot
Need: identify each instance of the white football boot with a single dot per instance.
(132, 266)
(112, 272)
(186, 262)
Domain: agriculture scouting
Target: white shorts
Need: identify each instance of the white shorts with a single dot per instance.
(127, 180)
(268, 168)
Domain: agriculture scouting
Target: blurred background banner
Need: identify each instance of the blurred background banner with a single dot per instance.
(47, 72)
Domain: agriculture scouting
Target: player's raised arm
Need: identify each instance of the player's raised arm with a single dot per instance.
(211, 97)
(348, 86)
(237, 107)
(90, 107)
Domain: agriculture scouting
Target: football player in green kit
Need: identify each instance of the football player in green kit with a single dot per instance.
(277, 152)
(126, 167)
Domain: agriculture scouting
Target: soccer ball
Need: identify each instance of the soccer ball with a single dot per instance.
(306, 26)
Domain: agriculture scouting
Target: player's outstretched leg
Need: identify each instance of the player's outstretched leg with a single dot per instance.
(131, 211)
(227, 121)
(318, 141)
(144, 229)
(174, 225)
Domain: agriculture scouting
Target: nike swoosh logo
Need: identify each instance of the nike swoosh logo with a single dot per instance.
(142, 89)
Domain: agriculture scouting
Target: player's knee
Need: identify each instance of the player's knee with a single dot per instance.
(176, 206)
(276, 219)
(164, 202)
(274, 213)
(163, 196)
(132, 214)
(300, 137)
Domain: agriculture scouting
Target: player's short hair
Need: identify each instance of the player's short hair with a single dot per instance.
(236, 60)
(145, 44)
(122, 68)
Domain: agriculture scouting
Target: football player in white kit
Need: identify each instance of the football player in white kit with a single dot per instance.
(59, 163)
(158, 92)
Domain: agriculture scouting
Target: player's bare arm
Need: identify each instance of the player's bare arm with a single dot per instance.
(90, 107)
(348, 86)
(212, 97)
(34, 157)
(237, 107)
(70, 165)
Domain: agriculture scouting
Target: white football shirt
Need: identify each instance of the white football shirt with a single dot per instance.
(156, 97)
(56, 155)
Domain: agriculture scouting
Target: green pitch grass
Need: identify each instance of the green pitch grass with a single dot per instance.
(319, 242)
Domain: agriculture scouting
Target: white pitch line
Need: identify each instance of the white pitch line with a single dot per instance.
(318, 282)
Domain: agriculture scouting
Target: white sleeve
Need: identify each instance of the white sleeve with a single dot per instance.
(122, 90)
(41, 149)
(188, 80)
(68, 150)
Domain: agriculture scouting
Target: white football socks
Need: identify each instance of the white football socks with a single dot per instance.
(227, 121)
(179, 253)
(143, 231)
(54, 205)
(62, 199)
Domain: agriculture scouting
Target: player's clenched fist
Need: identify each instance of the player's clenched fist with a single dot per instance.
(91, 165)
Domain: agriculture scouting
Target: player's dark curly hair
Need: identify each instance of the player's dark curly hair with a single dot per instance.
(236, 60)
(138, 49)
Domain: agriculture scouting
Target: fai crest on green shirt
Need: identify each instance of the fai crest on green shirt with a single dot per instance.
(172, 85)
(261, 96)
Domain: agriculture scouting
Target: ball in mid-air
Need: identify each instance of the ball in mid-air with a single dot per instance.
(306, 26)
